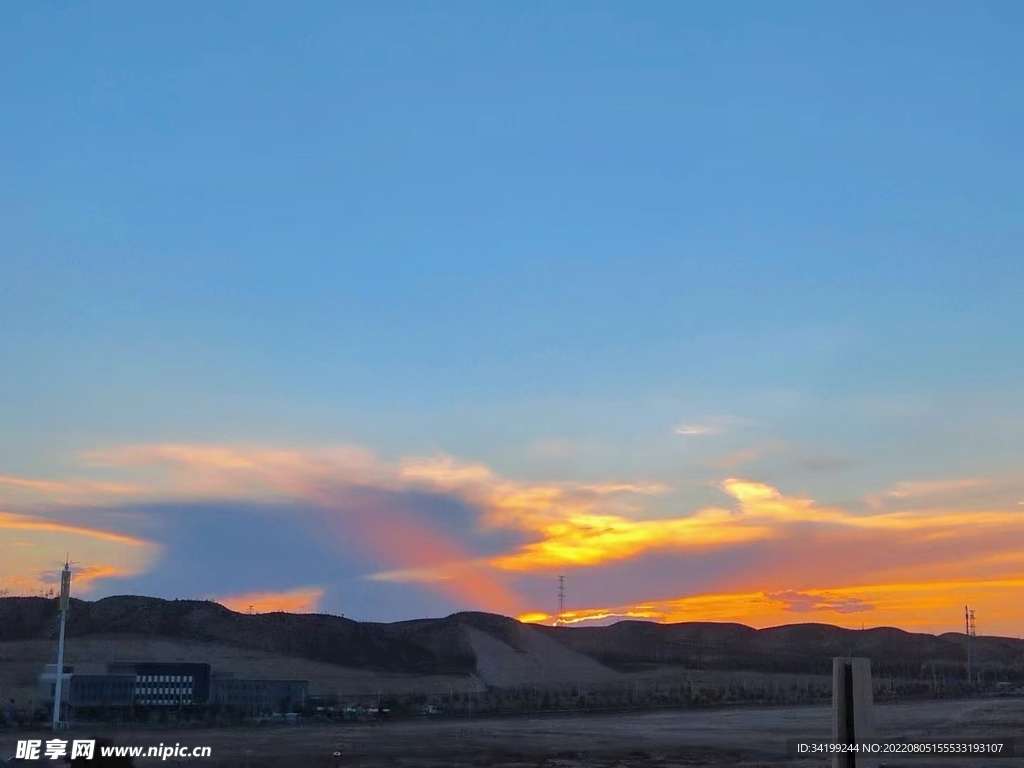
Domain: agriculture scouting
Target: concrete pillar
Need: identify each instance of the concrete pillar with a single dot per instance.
(852, 710)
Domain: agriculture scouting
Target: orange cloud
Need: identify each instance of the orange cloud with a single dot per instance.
(89, 573)
(762, 502)
(322, 477)
(596, 539)
(82, 576)
(303, 600)
(587, 522)
(12, 522)
(808, 539)
(33, 547)
(569, 533)
(427, 556)
(572, 524)
(575, 523)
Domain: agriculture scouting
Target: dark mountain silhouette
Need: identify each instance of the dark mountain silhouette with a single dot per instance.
(426, 646)
(443, 646)
(796, 648)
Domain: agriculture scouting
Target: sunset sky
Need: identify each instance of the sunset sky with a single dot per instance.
(396, 309)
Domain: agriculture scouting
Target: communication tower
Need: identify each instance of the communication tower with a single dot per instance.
(971, 632)
(65, 600)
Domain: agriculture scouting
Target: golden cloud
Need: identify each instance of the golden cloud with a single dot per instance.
(572, 524)
(915, 606)
(914, 543)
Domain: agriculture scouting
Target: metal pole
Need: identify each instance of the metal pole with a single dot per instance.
(58, 692)
(65, 597)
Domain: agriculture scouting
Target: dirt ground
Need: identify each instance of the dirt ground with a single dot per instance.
(736, 737)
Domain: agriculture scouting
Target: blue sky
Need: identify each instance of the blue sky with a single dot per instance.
(534, 237)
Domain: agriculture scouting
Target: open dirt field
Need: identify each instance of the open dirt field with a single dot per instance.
(737, 737)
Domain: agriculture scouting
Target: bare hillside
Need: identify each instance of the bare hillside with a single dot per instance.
(502, 651)
(537, 660)
(421, 647)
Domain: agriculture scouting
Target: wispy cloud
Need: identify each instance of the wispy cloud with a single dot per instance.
(923, 488)
(15, 489)
(441, 572)
(713, 425)
(695, 430)
(12, 522)
(736, 459)
(948, 491)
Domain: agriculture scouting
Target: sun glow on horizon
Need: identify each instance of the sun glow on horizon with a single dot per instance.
(906, 549)
(304, 600)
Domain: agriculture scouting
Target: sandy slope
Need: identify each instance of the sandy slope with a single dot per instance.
(539, 660)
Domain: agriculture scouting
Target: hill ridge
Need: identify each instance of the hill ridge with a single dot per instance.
(455, 644)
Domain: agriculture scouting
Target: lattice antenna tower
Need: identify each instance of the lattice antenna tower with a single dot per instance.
(561, 600)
